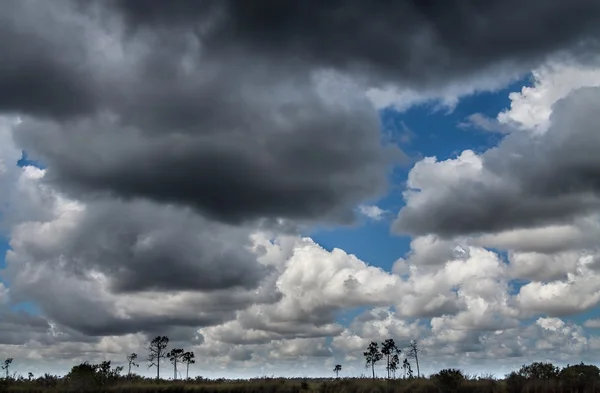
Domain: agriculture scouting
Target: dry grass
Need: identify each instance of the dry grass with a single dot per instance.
(342, 385)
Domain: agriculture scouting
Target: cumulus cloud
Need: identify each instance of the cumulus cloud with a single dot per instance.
(530, 109)
(578, 291)
(527, 181)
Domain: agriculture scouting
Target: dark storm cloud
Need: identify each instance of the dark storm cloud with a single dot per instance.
(213, 104)
(44, 71)
(414, 42)
(235, 137)
(526, 181)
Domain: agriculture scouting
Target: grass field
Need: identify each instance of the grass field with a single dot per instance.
(529, 379)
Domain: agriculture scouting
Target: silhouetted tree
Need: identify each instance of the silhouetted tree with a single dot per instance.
(394, 362)
(131, 358)
(86, 376)
(407, 368)
(539, 370)
(157, 350)
(106, 373)
(30, 375)
(581, 371)
(337, 369)
(372, 356)
(175, 356)
(6, 366)
(389, 349)
(413, 352)
(188, 358)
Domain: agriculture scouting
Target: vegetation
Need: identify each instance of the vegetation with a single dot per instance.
(156, 351)
(537, 377)
(337, 369)
(372, 356)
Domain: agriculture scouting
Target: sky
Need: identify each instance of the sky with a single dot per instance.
(273, 186)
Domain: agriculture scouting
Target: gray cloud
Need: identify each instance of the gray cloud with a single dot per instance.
(18, 327)
(34, 78)
(142, 247)
(237, 137)
(215, 105)
(111, 268)
(418, 43)
(526, 181)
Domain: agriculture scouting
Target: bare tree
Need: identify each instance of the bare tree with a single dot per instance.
(6, 366)
(175, 356)
(413, 352)
(157, 350)
(188, 358)
(372, 356)
(337, 369)
(131, 358)
(389, 349)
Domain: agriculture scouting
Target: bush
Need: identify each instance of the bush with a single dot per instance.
(515, 382)
(539, 371)
(448, 380)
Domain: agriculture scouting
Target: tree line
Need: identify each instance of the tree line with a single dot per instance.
(157, 352)
(391, 353)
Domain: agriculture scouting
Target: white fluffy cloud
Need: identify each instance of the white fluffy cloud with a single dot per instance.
(530, 109)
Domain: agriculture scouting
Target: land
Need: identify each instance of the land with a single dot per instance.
(534, 378)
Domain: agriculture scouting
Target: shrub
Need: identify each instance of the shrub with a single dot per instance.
(448, 380)
(515, 382)
(539, 371)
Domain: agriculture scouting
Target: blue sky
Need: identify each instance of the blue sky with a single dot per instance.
(437, 132)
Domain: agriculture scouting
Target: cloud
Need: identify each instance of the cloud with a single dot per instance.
(315, 285)
(592, 323)
(170, 117)
(482, 122)
(183, 140)
(527, 181)
(425, 38)
(158, 101)
(108, 267)
(530, 109)
(372, 211)
(577, 292)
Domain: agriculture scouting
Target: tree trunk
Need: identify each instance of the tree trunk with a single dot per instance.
(417, 361)
(175, 370)
(388, 366)
(187, 372)
(373, 369)
(157, 369)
